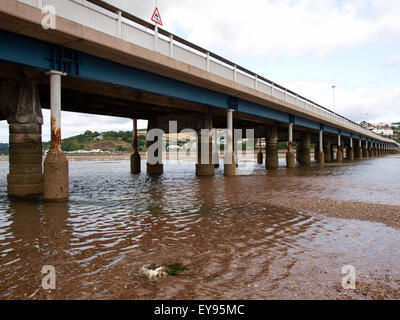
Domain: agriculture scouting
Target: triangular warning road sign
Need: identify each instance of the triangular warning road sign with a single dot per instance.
(156, 17)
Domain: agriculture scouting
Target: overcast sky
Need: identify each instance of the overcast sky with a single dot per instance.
(305, 45)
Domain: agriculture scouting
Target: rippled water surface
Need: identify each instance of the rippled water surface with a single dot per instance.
(234, 246)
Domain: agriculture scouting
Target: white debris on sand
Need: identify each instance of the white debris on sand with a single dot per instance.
(154, 272)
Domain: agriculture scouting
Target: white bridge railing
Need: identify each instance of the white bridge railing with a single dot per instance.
(106, 18)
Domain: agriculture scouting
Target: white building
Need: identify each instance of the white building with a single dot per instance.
(385, 132)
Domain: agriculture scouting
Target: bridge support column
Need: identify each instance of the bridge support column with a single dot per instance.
(333, 153)
(358, 150)
(327, 149)
(321, 155)
(25, 178)
(350, 151)
(55, 177)
(271, 157)
(229, 157)
(290, 157)
(305, 159)
(365, 150)
(135, 156)
(204, 165)
(339, 152)
(215, 155)
(260, 159)
(154, 164)
(316, 152)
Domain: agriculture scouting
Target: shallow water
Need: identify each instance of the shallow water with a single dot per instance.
(234, 243)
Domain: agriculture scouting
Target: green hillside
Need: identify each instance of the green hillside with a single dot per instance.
(106, 141)
(3, 148)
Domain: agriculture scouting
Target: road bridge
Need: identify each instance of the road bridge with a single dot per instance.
(99, 59)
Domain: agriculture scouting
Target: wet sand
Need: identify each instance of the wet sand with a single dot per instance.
(281, 234)
(387, 214)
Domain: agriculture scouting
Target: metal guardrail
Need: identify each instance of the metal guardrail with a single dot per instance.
(107, 18)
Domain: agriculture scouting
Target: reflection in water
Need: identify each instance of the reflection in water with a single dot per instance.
(234, 246)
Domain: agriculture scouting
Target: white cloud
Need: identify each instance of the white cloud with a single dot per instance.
(372, 104)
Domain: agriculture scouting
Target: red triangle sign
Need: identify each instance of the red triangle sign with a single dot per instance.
(156, 17)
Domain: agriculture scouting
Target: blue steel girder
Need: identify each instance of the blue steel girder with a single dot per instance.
(46, 56)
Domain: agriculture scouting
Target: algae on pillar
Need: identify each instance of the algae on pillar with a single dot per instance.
(55, 177)
(290, 156)
(229, 154)
(135, 156)
(271, 157)
(24, 115)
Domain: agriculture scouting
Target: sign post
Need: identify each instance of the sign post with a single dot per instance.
(156, 18)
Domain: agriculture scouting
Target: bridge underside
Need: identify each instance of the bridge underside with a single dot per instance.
(102, 98)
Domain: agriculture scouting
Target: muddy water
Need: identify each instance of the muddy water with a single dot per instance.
(234, 243)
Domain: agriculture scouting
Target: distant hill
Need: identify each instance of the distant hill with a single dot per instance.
(3, 148)
(105, 141)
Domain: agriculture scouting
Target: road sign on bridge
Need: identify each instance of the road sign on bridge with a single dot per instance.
(156, 17)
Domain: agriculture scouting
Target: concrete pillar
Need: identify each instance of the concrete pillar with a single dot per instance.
(229, 157)
(271, 157)
(55, 177)
(316, 152)
(305, 159)
(25, 178)
(215, 155)
(339, 154)
(327, 149)
(158, 167)
(365, 150)
(321, 155)
(358, 150)
(299, 150)
(135, 156)
(259, 154)
(350, 151)
(290, 157)
(204, 165)
(333, 153)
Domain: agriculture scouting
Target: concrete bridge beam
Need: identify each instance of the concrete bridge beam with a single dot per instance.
(24, 115)
(55, 177)
(290, 156)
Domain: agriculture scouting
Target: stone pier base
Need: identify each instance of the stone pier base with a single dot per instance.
(321, 159)
(327, 151)
(271, 157)
(339, 154)
(157, 168)
(55, 177)
(350, 154)
(25, 179)
(290, 156)
(230, 164)
(260, 157)
(304, 156)
(135, 163)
